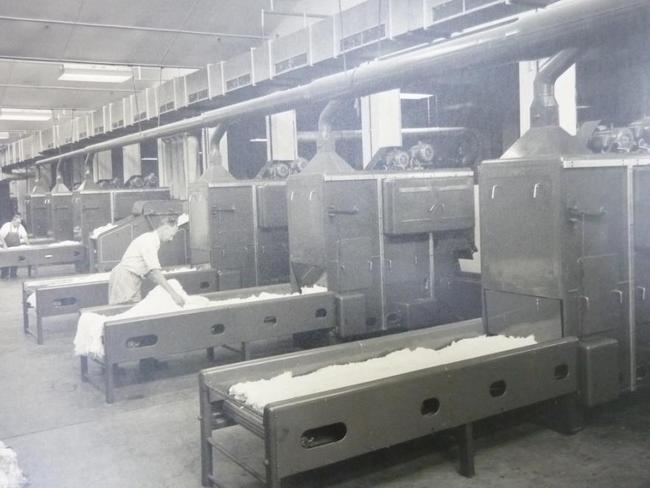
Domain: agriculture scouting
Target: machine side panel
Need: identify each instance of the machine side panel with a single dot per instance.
(39, 215)
(233, 250)
(352, 229)
(305, 217)
(200, 218)
(385, 412)
(62, 218)
(521, 227)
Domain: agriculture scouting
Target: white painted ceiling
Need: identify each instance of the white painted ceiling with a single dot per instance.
(39, 35)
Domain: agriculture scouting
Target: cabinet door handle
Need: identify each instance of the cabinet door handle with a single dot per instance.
(585, 300)
(620, 296)
(493, 193)
(642, 289)
(536, 188)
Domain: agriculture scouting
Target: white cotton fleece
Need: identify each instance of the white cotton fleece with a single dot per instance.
(90, 328)
(257, 394)
(10, 474)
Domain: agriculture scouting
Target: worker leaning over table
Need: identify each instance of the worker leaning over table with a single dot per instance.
(140, 261)
(12, 234)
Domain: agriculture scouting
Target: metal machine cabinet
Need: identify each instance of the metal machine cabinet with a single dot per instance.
(555, 247)
(372, 237)
(196, 85)
(322, 40)
(39, 215)
(123, 200)
(180, 92)
(107, 248)
(118, 115)
(66, 133)
(237, 71)
(85, 126)
(166, 97)
(90, 209)
(95, 208)
(99, 121)
(48, 138)
(364, 24)
(455, 15)
(216, 82)
(241, 228)
(62, 218)
(139, 106)
(291, 52)
(261, 58)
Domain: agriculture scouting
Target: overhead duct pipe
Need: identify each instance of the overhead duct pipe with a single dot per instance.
(545, 110)
(545, 136)
(88, 182)
(59, 185)
(326, 160)
(531, 35)
(215, 171)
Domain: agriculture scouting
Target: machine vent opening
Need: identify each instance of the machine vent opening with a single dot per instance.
(321, 312)
(141, 341)
(561, 371)
(64, 302)
(320, 436)
(204, 285)
(217, 329)
(430, 406)
(270, 320)
(498, 388)
(392, 318)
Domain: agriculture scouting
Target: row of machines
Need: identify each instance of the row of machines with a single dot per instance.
(382, 247)
(564, 257)
(246, 253)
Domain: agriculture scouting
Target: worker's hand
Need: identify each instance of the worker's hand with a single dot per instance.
(177, 298)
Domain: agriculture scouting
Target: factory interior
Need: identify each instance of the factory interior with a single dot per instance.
(300, 243)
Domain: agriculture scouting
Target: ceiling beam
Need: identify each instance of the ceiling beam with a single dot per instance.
(64, 87)
(34, 59)
(75, 23)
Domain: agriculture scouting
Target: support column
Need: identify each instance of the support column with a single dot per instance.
(381, 122)
(281, 137)
(565, 93)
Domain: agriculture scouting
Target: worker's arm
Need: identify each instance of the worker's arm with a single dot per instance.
(23, 235)
(158, 278)
(3, 234)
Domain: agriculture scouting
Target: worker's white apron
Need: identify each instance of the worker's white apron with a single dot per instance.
(123, 286)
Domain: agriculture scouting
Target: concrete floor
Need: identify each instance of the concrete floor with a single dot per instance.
(67, 437)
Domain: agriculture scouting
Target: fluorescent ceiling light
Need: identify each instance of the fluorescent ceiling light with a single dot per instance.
(4, 135)
(95, 73)
(25, 114)
(414, 96)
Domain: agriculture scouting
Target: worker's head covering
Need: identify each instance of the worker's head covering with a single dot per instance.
(183, 219)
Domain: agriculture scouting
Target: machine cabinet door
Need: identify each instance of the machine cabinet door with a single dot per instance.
(642, 278)
(415, 206)
(600, 301)
(642, 208)
(354, 267)
(523, 204)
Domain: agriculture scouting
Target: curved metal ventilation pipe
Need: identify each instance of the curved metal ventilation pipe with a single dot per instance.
(88, 182)
(326, 140)
(544, 110)
(532, 35)
(59, 185)
(214, 152)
